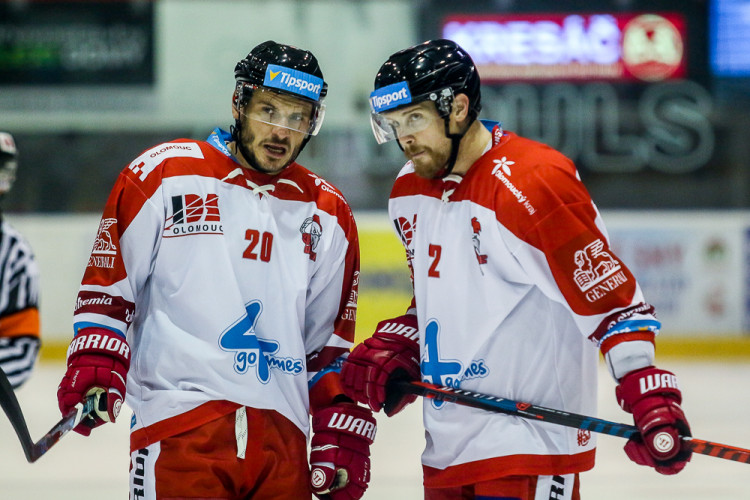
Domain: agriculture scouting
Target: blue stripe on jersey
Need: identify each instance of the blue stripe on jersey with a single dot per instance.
(334, 367)
(633, 325)
(77, 327)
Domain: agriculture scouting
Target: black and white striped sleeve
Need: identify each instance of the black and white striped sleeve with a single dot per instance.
(19, 313)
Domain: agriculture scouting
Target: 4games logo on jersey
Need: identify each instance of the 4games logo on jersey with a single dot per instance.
(193, 214)
(251, 351)
(448, 372)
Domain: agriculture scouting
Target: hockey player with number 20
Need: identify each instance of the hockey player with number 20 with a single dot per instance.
(515, 288)
(220, 294)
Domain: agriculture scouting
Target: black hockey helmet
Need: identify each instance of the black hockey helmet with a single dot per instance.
(252, 69)
(8, 162)
(286, 70)
(435, 70)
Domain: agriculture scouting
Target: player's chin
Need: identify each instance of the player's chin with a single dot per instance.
(426, 170)
(275, 165)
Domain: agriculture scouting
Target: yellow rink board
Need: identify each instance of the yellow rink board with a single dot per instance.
(381, 254)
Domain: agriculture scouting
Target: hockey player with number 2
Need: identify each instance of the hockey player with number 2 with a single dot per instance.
(219, 297)
(515, 288)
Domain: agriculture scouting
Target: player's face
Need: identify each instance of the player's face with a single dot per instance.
(272, 130)
(421, 133)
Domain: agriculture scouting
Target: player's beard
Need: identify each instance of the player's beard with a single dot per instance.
(429, 162)
(268, 167)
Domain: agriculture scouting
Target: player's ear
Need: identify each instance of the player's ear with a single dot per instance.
(460, 107)
(460, 111)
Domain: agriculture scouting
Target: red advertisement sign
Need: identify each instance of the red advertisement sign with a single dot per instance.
(646, 47)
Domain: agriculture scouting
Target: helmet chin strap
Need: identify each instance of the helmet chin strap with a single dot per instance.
(455, 145)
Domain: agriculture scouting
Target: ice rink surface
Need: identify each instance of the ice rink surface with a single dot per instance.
(717, 401)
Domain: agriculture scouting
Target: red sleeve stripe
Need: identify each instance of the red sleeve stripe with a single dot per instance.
(614, 340)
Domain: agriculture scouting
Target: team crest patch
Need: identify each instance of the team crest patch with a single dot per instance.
(476, 229)
(584, 436)
(311, 230)
(406, 230)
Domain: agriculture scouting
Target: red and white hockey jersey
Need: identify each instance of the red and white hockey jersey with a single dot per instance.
(233, 287)
(515, 286)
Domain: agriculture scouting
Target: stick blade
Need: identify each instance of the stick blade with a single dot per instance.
(12, 409)
(33, 450)
(65, 425)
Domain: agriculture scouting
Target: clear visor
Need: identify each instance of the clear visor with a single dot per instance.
(282, 110)
(392, 125)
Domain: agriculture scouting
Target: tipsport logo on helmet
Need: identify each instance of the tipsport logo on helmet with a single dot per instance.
(390, 96)
(291, 80)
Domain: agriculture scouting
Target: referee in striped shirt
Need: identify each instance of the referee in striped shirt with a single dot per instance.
(19, 285)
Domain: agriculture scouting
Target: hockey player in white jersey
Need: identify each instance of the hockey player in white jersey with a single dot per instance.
(220, 294)
(19, 284)
(515, 290)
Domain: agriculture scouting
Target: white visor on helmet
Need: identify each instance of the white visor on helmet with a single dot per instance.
(395, 112)
(284, 110)
(280, 105)
(392, 125)
(385, 99)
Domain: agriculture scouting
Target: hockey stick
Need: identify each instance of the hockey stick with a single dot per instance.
(31, 449)
(397, 388)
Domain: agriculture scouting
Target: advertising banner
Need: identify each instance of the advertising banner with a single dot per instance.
(570, 46)
(692, 268)
(81, 43)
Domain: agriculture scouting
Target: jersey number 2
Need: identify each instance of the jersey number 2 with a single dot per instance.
(434, 251)
(265, 240)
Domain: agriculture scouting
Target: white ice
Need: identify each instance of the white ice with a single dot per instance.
(96, 468)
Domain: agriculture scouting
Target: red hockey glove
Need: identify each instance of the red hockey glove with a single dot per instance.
(392, 351)
(340, 451)
(98, 361)
(653, 397)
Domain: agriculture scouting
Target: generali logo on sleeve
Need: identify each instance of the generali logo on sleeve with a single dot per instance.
(591, 278)
(596, 272)
(104, 251)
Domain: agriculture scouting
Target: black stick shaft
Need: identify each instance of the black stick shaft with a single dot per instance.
(542, 414)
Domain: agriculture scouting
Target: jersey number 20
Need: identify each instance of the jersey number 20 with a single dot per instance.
(255, 238)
